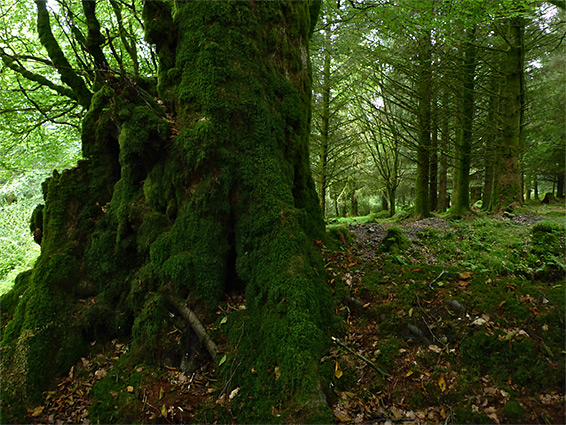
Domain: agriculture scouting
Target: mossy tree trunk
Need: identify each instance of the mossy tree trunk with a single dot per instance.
(442, 203)
(202, 192)
(506, 188)
(424, 96)
(491, 143)
(433, 165)
(461, 202)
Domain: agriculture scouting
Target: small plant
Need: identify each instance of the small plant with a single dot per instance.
(513, 411)
(547, 240)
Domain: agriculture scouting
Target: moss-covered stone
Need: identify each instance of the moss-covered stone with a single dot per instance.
(395, 241)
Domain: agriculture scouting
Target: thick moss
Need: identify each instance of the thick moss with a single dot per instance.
(228, 204)
(10, 300)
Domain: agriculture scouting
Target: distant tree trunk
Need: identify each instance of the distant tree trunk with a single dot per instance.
(461, 202)
(384, 203)
(336, 204)
(424, 96)
(322, 172)
(535, 187)
(433, 167)
(211, 195)
(442, 203)
(560, 186)
(392, 204)
(507, 181)
(354, 204)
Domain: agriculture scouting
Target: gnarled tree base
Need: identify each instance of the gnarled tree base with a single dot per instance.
(208, 196)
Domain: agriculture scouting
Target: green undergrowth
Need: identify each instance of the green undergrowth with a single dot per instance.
(488, 295)
(19, 251)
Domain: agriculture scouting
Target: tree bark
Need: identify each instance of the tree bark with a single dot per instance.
(461, 202)
(322, 172)
(442, 203)
(433, 169)
(424, 96)
(492, 142)
(507, 181)
(209, 195)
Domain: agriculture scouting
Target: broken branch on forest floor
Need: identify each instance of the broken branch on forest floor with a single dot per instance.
(365, 359)
(195, 324)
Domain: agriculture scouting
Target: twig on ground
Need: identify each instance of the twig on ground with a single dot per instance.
(436, 279)
(195, 323)
(365, 359)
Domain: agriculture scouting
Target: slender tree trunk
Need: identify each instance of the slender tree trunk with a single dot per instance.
(384, 200)
(560, 186)
(424, 96)
(461, 202)
(391, 195)
(442, 203)
(322, 180)
(433, 170)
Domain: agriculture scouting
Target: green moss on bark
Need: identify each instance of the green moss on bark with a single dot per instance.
(226, 205)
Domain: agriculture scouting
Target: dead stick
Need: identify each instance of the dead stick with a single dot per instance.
(195, 323)
(369, 362)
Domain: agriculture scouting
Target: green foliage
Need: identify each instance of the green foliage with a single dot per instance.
(493, 355)
(19, 251)
(547, 240)
(477, 245)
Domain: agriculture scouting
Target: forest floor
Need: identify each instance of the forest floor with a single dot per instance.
(461, 323)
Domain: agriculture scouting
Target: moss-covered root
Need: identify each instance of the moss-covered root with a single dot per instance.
(285, 333)
(42, 340)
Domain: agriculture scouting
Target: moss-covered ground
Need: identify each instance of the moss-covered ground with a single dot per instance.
(467, 323)
(463, 325)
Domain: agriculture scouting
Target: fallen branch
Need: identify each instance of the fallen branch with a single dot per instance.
(359, 356)
(195, 324)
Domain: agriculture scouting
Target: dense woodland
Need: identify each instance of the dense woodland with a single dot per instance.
(197, 189)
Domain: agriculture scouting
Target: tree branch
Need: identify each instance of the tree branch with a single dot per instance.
(195, 323)
(11, 63)
(68, 75)
(94, 38)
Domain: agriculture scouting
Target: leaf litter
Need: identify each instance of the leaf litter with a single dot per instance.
(413, 339)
